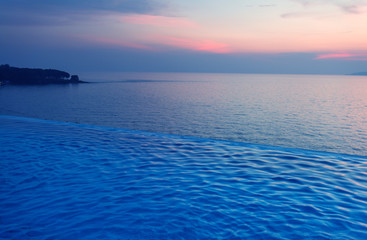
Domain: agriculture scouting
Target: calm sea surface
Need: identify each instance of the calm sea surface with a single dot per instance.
(323, 113)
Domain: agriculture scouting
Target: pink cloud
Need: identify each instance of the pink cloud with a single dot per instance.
(196, 45)
(159, 43)
(158, 21)
(344, 56)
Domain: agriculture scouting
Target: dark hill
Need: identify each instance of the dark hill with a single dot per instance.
(35, 76)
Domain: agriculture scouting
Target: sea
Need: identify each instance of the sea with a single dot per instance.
(314, 112)
(185, 156)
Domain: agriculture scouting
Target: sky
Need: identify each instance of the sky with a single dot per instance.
(239, 36)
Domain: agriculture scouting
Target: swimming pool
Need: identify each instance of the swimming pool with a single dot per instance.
(71, 181)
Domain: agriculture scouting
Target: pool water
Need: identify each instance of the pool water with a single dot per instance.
(71, 181)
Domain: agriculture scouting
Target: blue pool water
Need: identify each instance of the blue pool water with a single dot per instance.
(70, 181)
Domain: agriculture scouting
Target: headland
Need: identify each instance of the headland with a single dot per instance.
(35, 76)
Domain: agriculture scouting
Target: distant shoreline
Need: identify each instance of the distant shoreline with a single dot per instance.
(358, 74)
(35, 76)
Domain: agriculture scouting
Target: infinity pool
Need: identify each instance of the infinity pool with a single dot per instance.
(71, 181)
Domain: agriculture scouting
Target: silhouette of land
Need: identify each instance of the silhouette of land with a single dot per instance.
(359, 74)
(35, 76)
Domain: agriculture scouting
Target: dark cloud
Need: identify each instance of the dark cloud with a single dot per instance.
(39, 18)
(45, 12)
(125, 6)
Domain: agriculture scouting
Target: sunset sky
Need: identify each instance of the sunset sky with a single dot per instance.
(250, 36)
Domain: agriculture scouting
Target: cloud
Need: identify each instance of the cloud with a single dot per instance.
(261, 5)
(267, 5)
(46, 12)
(343, 56)
(158, 21)
(351, 6)
(192, 44)
(124, 6)
(105, 41)
(158, 43)
(36, 18)
(297, 15)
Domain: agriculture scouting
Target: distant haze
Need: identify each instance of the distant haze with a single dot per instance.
(253, 36)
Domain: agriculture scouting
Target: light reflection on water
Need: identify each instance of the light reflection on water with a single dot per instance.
(325, 113)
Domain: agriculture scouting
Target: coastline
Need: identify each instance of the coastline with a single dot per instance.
(35, 76)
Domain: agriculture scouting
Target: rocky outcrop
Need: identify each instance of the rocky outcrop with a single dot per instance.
(35, 76)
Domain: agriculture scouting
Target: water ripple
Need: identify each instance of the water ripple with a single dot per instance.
(68, 181)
